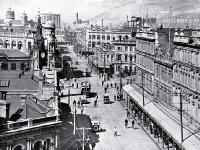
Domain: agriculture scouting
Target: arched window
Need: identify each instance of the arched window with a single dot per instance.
(13, 44)
(37, 145)
(7, 44)
(47, 144)
(18, 147)
(20, 45)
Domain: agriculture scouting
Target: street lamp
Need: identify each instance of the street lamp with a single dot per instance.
(120, 84)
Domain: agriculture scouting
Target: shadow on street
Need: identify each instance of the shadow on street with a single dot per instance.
(69, 141)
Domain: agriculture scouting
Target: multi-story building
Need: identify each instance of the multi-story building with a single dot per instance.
(145, 51)
(101, 36)
(51, 17)
(14, 60)
(70, 36)
(186, 74)
(26, 122)
(181, 21)
(124, 50)
(163, 66)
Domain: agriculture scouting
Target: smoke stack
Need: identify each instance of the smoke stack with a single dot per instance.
(77, 18)
(102, 23)
(127, 18)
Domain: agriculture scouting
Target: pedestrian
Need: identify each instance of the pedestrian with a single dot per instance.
(126, 123)
(117, 88)
(95, 103)
(114, 97)
(82, 110)
(128, 114)
(105, 89)
(74, 103)
(93, 145)
(78, 104)
(107, 85)
(102, 82)
(133, 123)
(115, 131)
(115, 84)
(62, 94)
(111, 85)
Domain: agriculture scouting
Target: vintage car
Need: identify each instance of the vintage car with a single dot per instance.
(106, 98)
(95, 126)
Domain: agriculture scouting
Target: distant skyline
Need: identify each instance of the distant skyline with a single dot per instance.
(90, 8)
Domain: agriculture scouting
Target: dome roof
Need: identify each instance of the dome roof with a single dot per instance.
(50, 24)
(9, 11)
(24, 14)
(10, 14)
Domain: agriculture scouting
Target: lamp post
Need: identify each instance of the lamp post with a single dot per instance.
(120, 84)
(143, 102)
(104, 65)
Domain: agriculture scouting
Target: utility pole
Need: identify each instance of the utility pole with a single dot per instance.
(83, 137)
(83, 145)
(104, 63)
(120, 88)
(74, 120)
(143, 88)
(88, 55)
(181, 116)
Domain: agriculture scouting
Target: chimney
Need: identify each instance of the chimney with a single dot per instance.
(102, 23)
(127, 18)
(77, 18)
(4, 109)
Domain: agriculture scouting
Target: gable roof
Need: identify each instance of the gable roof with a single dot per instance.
(29, 109)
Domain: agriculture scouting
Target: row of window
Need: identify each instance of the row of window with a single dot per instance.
(98, 37)
(125, 48)
(187, 56)
(145, 62)
(145, 46)
(13, 66)
(187, 79)
(163, 73)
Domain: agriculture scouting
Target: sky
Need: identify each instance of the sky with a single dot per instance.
(89, 8)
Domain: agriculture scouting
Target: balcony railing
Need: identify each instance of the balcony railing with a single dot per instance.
(29, 123)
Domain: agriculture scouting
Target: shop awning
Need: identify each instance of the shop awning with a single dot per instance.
(166, 122)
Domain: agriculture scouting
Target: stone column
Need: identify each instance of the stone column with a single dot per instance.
(9, 145)
(29, 144)
(52, 146)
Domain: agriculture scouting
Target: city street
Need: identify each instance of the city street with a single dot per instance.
(110, 116)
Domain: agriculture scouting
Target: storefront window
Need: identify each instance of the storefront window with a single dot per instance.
(13, 66)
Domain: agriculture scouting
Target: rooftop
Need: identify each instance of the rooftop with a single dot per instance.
(25, 83)
(10, 53)
(31, 107)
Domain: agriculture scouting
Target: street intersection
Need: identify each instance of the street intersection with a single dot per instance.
(110, 115)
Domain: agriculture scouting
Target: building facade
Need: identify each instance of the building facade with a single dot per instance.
(163, 63)
(145, 51)
(124, 50)
(186, 74)
(51, 17)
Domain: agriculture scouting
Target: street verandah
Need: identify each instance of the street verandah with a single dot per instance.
(158, 123)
